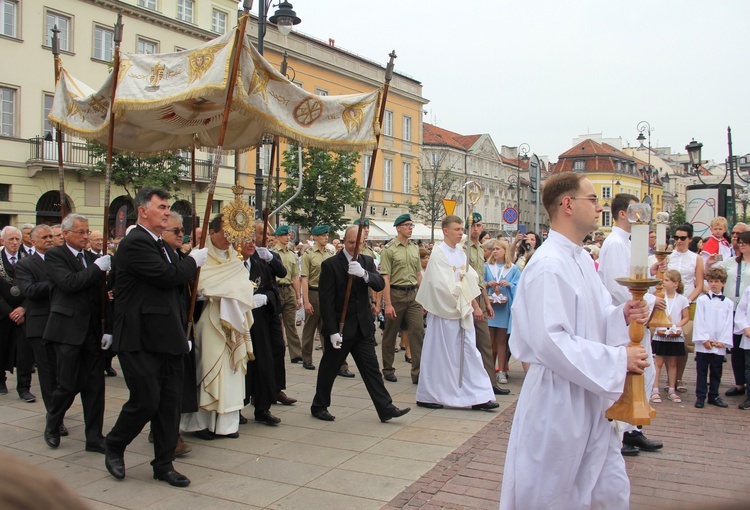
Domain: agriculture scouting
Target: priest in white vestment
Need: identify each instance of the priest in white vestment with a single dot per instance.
(223, 345)
(563, 453)
(451, 373)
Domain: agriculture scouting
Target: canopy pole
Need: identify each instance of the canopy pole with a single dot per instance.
(58, 131)
(381, 115)
(267, 201)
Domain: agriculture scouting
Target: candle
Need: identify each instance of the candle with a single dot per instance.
(638, 216)
(662, 220)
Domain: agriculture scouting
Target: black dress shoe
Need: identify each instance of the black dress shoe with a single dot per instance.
(629, 451)
(345, 373)
(700, 404)
(395, 413)
(110, 372)
(115, 464)
(96, 447)
(285, 399)
(298, 359)
(640, 441)
(266, 417)
(52, 438)
(63, 430)
(487, 406)
(718, 402)
(243, 420)
(497, 390)
(734, 392)
(430, 405)
(390, 377)
(27, 396)
(205, 434)
(323, 414)
(745, 405)
(308, 365)
(233, 435)
(173, 478)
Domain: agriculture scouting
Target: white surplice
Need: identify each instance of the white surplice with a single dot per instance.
(563, 453)
(446, 292)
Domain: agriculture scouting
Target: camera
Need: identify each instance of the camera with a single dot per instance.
(527, 246)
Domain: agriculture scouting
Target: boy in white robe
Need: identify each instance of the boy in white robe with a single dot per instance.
(563, 453)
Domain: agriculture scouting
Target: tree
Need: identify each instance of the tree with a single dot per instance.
(677, 217)
(328, 185)
(133, 173)
(435, 182)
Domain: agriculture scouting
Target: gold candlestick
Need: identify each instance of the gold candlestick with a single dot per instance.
(659, 318)
(632, 406)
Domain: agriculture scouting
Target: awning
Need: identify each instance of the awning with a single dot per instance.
(376, 232)
(422, 231)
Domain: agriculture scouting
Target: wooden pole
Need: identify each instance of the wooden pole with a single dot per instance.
(193, 227)
(58, 131)
(267, 201)
(381, 115)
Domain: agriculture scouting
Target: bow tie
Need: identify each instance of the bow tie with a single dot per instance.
(717, 296)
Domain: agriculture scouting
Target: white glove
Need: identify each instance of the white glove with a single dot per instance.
(106, 340)
(201, 296)
(199, 255)
(336, 341)
(104, 262)
(260, 300)
(355, 269)
(190, 345)
(264, 253)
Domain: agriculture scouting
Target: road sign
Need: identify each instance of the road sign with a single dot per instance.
(510, 215)
(449, 206)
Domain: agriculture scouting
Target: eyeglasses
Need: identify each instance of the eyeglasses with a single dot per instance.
(594, 199)
(175, 230)
(741, 244)
(80, 232)
(681, 238)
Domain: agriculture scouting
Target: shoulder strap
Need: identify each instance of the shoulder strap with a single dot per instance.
(739, 279)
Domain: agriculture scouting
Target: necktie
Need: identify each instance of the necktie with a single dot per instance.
(81, 260)
(163, 247)
(247, 265)
(13, 261)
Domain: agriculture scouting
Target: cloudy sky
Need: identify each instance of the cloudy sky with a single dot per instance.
(544, 71)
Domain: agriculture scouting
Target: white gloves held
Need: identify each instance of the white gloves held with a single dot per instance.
(355, 269)
(260, 300)
(104, 262)
(336, 340)
(264, 253)
(106, 340)
(199, 255)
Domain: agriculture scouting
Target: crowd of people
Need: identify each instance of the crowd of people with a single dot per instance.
(201, 333)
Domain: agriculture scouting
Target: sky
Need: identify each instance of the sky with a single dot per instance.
(543, 72)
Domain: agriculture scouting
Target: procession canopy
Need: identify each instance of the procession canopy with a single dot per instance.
(171, 101)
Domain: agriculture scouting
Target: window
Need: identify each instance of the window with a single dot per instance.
(436, 160)
(148, 4)
(217, 206)
(4, 192)
(63, 25)
(637, 193)
(388, 124)
(104, 44)
(185, 10)
(46, 126)
(406, 178)
(606, 192)
(387, 175)
(218, 21)
(9, 13)
(407, 128)
(320, 92)
(606, 216)
(7, 111)
(366, 162)
(579, 165)
(146, 47)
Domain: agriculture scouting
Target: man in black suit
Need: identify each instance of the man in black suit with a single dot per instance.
(359, 332)
(12, 315)
(149, 337)
(76, 331)
(35, 287)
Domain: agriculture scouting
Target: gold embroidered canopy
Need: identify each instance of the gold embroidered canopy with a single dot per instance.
(173, 101)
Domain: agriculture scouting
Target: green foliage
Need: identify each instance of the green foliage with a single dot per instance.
(133, 173)
(677, 217)
(434, 185)
(328, 185)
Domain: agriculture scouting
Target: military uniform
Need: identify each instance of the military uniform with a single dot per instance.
(289, 298)
(484, 342)
(311, 262)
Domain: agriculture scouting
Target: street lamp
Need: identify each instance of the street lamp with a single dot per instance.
(645, 127)
(521, 153)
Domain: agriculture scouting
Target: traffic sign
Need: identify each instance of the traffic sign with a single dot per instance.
(510, 215)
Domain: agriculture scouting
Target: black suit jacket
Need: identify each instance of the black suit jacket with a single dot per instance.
(334, 276)
(75, 296)
(149, 315)
(8, 302)
(264, 274)
(35, 287)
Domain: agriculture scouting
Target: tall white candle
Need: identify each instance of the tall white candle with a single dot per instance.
(639, 251)
(661, 237)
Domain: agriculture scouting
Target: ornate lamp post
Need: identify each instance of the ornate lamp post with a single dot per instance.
(645, 127)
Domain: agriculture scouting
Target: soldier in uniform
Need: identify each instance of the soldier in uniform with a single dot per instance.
(289, 289)
(401, 270)
(311, 261)
(484, 342)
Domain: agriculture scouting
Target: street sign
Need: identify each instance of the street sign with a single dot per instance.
(510, 215)
(449, 206)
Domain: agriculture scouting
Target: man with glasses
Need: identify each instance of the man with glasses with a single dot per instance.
(96, 242)
(402, 273)
(737, 229)
(75, 329)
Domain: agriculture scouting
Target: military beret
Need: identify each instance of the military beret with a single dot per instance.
(320, 230)
(365, 223)
(402, 219)
(282, 230)
(475, 218)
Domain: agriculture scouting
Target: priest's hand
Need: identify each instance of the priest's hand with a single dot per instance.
(336, 341)
(636, 311)
(637, 359)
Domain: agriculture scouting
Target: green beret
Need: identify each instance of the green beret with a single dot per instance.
(365, 223)
(320, 230)
(402, 219)
(282, 230)
(475, 218)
